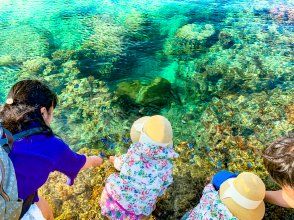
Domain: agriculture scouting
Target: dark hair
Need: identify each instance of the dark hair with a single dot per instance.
(279, 160)
(23, 106)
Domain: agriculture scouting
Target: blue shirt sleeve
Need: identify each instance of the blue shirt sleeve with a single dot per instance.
(69, 162)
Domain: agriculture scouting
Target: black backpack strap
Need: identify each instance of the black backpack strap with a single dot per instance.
(27, 133)
(27, 204)
(7, 142)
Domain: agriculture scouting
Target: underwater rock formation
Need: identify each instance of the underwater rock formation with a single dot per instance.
(226, 38)
(133, 22)
(39, 66)
(57, 75)
(82, 200)
(106, 40)
(195, 32)
(156, 93)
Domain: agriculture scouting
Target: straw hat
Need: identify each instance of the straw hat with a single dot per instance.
(135, 132)
(155, 130)
(243, 196)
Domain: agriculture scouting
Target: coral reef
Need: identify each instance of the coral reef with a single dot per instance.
(6, 60)
(82, 200)
(23, 42)
(106, 40)
(55, 74)
(89, 107)
(283, 13)
(189, 40)
(103, 47)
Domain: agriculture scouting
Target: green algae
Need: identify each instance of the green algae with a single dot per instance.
(156, 93)
(228, 70)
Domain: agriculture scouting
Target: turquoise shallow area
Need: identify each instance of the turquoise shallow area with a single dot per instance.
(208, 51)
(38, 28)
(221, 71)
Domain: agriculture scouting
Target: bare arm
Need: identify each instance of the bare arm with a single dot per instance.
(92, 161)
(45, 208)
(276, 198)
(117, 161)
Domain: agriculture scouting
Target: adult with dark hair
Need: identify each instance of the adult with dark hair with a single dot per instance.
(279, 162)
(30, 104)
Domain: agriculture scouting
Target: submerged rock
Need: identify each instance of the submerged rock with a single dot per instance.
(157, 93)
(129, 89)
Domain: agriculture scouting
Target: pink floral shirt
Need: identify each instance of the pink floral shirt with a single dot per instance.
(145, 174)
(210, 207)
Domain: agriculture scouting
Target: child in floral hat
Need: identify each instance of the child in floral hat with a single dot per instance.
(145, 171)
(231, 197)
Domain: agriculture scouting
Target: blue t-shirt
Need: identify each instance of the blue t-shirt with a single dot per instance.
(34, 157)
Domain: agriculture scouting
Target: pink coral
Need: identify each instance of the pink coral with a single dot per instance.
(282, 13)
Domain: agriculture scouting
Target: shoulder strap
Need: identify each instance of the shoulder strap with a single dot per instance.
(27, 133)
(8, 137)
(7, 142)
(27, 204)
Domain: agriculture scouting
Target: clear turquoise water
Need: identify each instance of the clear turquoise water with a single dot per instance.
(38, 28)
(229, 64)
(206, 49)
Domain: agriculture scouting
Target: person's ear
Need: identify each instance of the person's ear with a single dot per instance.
(44, 113)
(43, 109)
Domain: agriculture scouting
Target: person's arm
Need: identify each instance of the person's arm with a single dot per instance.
(276, 198)
(71, 163)
(117, 161)
(92, 161)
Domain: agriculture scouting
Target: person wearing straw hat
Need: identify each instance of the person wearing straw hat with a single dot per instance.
(145, 171)
(239, 197)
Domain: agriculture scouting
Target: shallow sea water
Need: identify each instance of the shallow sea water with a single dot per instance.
(228, 66)
(214, 53)
(38, 28)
